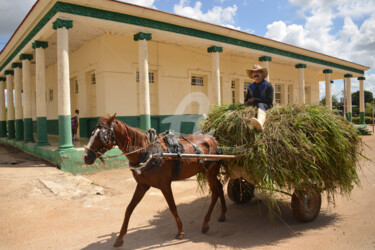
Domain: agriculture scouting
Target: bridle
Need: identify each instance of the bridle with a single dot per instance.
(106, 134)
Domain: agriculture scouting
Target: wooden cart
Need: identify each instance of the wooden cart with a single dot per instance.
(305, 202)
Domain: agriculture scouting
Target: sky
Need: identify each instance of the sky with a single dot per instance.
(340, 28)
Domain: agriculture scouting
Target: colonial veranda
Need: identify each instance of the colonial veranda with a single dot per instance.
(152, 68)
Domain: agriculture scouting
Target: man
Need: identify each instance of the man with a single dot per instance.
(75, 123)
(259, 94)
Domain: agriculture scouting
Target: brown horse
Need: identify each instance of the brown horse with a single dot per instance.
(134, 144)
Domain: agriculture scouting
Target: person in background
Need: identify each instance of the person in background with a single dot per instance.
(259, 94)
(75, 123)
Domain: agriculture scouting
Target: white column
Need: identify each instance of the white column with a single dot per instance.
(40, 72)
(63, 81)
(361, 95)
(216, 76)
(3, 131)
(348, 96)
(361, 100)
(327, 73)
(27, 104)
(267, 66)
(215, 50)
(143, 77)
(26, 85)
(17, 91)
(144, 87)
(18, 100)
(10, 104)
(302, 98)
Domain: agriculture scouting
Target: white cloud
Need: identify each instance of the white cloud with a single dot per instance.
(318, 33)
(144, 3)
(216, 15)
(12, 14)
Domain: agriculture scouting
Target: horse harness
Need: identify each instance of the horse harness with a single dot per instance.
(152, 155)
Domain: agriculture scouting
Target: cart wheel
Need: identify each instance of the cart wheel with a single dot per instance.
(306, 204)
(240, 191)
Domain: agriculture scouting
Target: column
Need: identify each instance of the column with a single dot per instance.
(17, 67)
(215, 50)
(348, 97)
(63, 81)
(9, 75)
(3, 126)
(144, 94)
(301, 68)
(328, 73)
(41, 105)
(361, 100)
(266, 60)
(26, 83)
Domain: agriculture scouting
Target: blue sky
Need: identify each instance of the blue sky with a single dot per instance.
(340, 28)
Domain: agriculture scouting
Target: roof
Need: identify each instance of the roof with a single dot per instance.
(44, 11)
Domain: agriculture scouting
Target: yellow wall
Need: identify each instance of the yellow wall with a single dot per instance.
(114, 59)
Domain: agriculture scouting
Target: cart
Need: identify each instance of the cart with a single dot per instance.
(305, 202)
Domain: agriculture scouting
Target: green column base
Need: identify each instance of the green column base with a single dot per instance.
(3, 129)
(28, 129)
(19, 130)
(65, 132)
(41, 130)
(11, 130)
(349, 116)
(362, 118)
(145, 122)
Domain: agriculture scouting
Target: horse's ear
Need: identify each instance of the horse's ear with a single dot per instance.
(110, 120)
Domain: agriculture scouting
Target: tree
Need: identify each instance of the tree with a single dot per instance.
(368, 97)
(335, 101)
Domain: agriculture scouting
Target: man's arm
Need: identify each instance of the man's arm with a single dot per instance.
(269, 96)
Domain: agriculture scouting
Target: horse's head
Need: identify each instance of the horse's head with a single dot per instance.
(101, 140)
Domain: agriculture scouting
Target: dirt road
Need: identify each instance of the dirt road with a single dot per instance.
(44, 208)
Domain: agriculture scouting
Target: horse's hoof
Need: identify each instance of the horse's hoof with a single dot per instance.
(221, 219)
(180, 236)
(205, 229)
(118, 243)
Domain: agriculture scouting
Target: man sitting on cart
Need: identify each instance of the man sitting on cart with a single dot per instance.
(259, 94)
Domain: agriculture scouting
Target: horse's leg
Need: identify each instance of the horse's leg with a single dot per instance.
(140, 191)
(216, 191)
(167, 192)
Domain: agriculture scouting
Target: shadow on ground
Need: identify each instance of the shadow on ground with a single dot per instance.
(248, 225)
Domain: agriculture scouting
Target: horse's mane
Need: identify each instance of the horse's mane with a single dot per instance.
(138, 136)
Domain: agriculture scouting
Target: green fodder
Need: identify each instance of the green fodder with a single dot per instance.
(301, 146)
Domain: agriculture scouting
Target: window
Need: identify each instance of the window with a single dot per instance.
(233, 89)
(151, 77)
(76, 86)
(245, 85)
(51, 95)
(278, 94)
(197, 80)
(92, 79)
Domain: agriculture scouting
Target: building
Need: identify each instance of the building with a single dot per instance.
(154, 69)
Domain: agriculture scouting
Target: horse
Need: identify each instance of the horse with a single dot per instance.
(135, 144)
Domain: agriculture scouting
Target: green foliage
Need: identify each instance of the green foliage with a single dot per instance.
(356, 120)
(301, 146)
(368, 97)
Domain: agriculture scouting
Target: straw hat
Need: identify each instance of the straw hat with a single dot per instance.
(257, 67)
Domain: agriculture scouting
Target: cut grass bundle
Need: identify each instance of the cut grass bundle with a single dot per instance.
(302, 146)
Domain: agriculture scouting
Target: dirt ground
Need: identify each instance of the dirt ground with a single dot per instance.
(44, 208)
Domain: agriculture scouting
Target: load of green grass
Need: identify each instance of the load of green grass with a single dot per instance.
(302, 146)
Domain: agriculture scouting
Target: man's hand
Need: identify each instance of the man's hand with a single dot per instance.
(250, 101)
